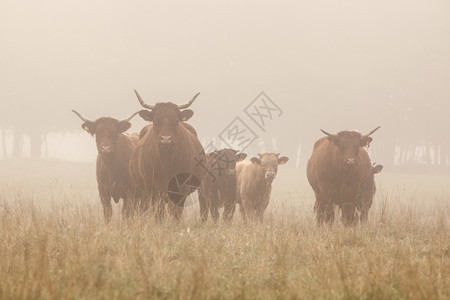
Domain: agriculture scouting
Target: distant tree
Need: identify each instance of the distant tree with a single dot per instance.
(27, 118)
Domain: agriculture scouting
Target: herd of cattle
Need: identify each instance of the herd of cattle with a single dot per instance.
(157, 169)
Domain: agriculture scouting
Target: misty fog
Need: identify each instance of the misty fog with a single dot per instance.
(333, 65)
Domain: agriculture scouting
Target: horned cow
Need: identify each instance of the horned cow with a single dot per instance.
(164, 162)
(113, 158)
(337, 171)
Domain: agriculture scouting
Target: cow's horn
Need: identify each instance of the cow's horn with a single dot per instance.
(365, 135)
(329, 134)
(81, 117)
(130, 117)
(148, 106)
(187, 104)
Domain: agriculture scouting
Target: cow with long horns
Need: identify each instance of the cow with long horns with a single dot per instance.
(167, 162)
(337, 171)
(113, 159)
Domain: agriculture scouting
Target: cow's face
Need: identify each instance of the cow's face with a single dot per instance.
(349, 143)
(106, 131)
(166, 118)
(269, 163)
(225, 160)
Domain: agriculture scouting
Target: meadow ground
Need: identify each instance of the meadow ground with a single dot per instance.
(54, 244)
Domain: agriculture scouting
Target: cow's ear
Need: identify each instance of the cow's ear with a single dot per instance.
(147, 115)
(365, 141)
(241, 156)
(123, 126)
(255, 161)
(186, 115)
(377, 169)
(282, 160)
(89, 127)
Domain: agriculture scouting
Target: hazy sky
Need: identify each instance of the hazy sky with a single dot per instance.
(331, 64)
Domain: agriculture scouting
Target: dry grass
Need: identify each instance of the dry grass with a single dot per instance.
(54, 244)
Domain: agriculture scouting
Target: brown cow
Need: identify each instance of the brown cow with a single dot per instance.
(368, 191)
(219, 186)
(164, 162)
(337, 170)
(113, 158)
(254, 183)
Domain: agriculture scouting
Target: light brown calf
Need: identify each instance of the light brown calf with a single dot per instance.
(254, 183)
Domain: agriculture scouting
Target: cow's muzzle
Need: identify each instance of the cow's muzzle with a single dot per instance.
(105, 149)
(165, 140)
(351, 161)
(270, 176)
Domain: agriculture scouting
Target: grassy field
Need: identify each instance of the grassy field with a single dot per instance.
(54, 244)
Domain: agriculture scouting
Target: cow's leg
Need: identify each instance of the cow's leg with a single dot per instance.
(213, 208)
(348, 214)
(229, 209)
(107, 207)
(261, 208)
(229, 200)
(126, 209)
(177, 197)
(329, 213)
(324, 210)
(129, 207)
(137, 201)
(176, 210)
(365, 209)
(250, 210)
(259, 212)
(158, 206)
(364, 214)
(243, 211)
(159, 210)
(203, 205)
(260, 215)
(143, 203)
